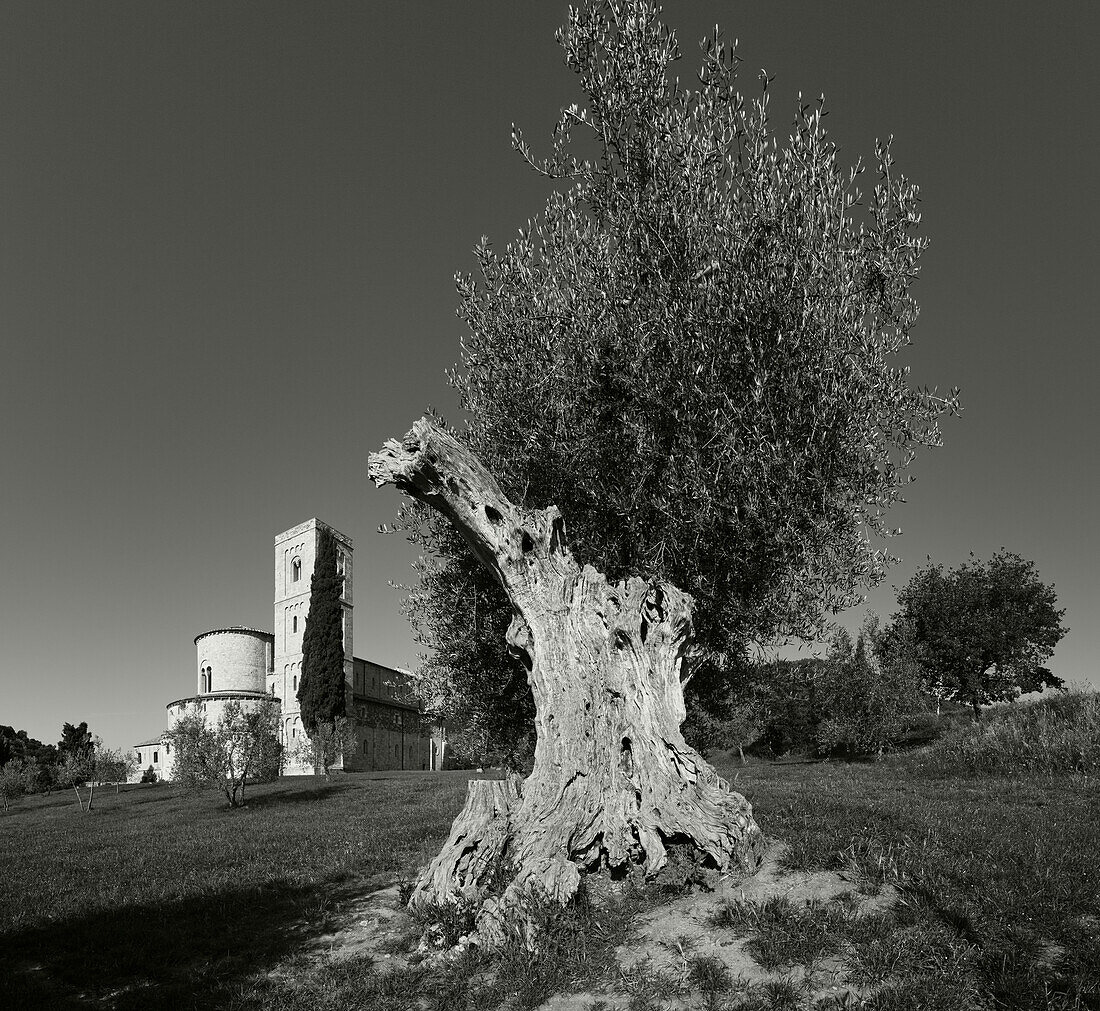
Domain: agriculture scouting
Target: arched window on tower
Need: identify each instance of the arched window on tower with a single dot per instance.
(296, 569)
(295, 682)
(294, 624)
(209, 679)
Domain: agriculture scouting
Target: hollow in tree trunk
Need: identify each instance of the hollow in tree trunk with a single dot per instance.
(614, 784)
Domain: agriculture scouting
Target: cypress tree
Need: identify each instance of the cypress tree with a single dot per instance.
(321, 689)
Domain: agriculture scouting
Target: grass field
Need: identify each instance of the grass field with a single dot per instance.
(160, 900)
(171, 899)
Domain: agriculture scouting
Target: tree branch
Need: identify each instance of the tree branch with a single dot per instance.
(430, 465)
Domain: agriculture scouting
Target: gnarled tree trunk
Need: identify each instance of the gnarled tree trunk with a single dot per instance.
(614, 783)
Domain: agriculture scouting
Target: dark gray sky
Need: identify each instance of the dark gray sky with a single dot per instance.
(227, 238)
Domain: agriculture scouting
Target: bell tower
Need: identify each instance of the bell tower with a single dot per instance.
(295, 558)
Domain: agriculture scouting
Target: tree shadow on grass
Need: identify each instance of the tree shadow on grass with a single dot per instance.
(61, 802)
(188, 954)
(304, 796)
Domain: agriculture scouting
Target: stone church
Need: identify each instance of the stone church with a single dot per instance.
(249, 664)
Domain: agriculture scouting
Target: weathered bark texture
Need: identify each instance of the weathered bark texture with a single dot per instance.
(478, 841)
(614, 783)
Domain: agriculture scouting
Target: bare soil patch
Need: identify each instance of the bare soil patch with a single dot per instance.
(375, 926)
(670, 936)
(665, 940)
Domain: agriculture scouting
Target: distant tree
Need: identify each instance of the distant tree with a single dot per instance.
(16, 744)
(785, 694)
(76, 741)
(242, 746)
(467, 678)
(981, 631)
(14, 779)
(322, 691)
(39, 759)
(473, 745)
(130, 766)
(46, 757)
(32, 774)
(321, 749)
(76, 753)
(866, 701)
(691, 353)
(735, 725)
(77, 769)
(115, 766)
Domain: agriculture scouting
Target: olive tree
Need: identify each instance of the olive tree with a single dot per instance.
(115, 765)
(76, 770)
(614, 784)
(242, 745)
(691, 352)
(687, 356)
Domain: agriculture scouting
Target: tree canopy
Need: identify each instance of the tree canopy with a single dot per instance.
(321, 691)
(17, 745)
(691, 352)
(76, 741)
(982, 631)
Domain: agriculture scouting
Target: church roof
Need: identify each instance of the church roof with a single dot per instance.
(145, 744)
(236, 628)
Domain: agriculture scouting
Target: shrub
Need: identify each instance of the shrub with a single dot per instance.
(149, 776)
(1059, 734)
